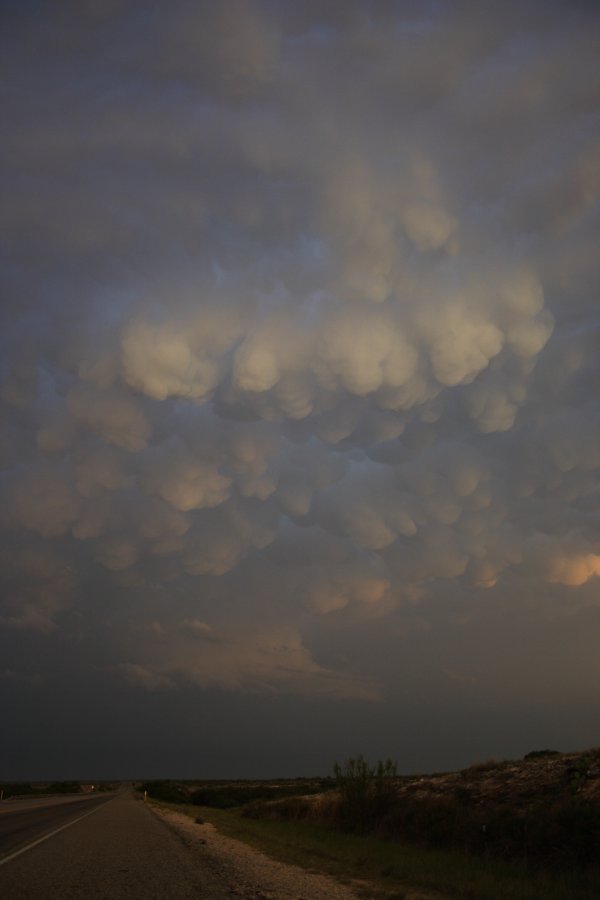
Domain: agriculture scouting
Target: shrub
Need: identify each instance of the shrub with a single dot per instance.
(229, 796)
(64, 787)
(167, 791)
(24, 788)
(577, 773)
(541, 754)
(366, 792)
(322, 808)
(485, 765)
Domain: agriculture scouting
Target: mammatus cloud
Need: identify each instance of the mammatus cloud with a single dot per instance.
(301, 328)
(575, 570)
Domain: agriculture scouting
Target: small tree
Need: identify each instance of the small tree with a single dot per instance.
(365, 791)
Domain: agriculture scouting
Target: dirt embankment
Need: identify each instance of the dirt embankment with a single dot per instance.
(540, 776)
(545, 808)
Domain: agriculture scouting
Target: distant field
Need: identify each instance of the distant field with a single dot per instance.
(10, 789)
(38, 788)
(233, 794)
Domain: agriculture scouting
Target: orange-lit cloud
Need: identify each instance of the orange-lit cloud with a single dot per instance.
(575, 570)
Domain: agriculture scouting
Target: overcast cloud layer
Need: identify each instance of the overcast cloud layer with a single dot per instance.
(299, 382)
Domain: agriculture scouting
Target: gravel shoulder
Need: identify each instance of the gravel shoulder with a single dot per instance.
(251, 873)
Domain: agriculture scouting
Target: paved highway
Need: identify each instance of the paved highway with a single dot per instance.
(118, 850)
(23, 822)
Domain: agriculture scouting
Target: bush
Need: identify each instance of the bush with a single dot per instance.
(563, 833)
(167, 791)
(64, 787)
(566, 832)
(231, 795)
(26, 788)
(17, 789)
(541, 754)
(366, 792)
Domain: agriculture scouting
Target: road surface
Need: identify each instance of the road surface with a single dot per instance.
(22, 822)
(119, 850)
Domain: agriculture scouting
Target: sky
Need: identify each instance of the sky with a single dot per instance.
(299, 384)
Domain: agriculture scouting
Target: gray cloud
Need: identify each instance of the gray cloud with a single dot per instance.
(300, 336)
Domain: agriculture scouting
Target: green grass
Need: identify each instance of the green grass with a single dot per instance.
(385, 869)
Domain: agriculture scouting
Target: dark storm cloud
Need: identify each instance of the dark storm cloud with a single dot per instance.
(299, 342)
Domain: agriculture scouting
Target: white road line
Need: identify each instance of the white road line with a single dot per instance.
(47, 836)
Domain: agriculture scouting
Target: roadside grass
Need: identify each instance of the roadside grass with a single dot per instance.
(380, 869)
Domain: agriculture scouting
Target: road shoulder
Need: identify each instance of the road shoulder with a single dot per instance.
(254, 873)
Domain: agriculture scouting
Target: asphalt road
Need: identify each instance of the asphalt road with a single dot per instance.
(21, 823)
(119, 851)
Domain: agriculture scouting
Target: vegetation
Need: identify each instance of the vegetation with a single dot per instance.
(231, 794)
(27, 788)
(377, 868)
(165, 791)
(64, 787)
(522, 830)
(104, 787)
(541, 754)
(224, 796)
(544, 813)
(366, 793)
